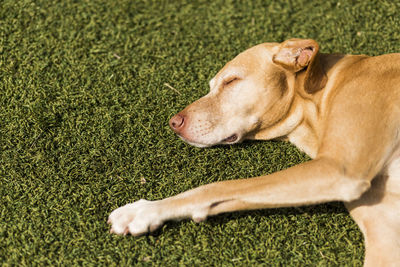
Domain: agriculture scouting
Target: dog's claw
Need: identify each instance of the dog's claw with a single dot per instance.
(126, 231)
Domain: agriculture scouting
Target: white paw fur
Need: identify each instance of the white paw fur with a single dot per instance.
(135, 218)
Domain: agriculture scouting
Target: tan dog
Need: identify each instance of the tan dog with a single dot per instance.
(342, 110)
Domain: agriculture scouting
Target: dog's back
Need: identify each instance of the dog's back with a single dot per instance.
(342, 110)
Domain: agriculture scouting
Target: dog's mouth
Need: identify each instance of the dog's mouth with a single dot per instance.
(230, 139)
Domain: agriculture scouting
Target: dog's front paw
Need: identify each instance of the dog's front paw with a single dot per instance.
(136, 218)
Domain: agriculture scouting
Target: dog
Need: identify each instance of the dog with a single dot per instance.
(341, 110)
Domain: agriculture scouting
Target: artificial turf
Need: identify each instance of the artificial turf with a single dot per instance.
(85, 98)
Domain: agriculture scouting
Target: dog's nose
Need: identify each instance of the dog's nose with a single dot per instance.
(176, 122)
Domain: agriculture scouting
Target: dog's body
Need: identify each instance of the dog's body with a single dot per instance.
(342, 110)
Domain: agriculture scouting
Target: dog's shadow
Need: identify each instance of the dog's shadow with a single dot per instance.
(251, 143)
(221, 219)
(263, 214)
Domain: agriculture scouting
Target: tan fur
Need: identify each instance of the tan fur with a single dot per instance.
(342, 110)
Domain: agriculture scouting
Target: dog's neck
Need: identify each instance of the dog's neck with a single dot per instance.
(302, 124)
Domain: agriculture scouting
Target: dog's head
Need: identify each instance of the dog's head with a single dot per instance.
(252, 95)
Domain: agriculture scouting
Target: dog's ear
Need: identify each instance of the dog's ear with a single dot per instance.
(297, 55)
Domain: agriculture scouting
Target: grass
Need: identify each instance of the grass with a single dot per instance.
(83, 128)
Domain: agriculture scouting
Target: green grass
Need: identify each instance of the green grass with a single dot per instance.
(84, 128)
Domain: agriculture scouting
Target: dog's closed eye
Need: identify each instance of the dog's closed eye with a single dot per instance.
(230, 81)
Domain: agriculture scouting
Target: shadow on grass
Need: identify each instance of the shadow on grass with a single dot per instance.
(247, 144)
(327, 208)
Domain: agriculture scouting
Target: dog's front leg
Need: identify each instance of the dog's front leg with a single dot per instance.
(317, 181)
